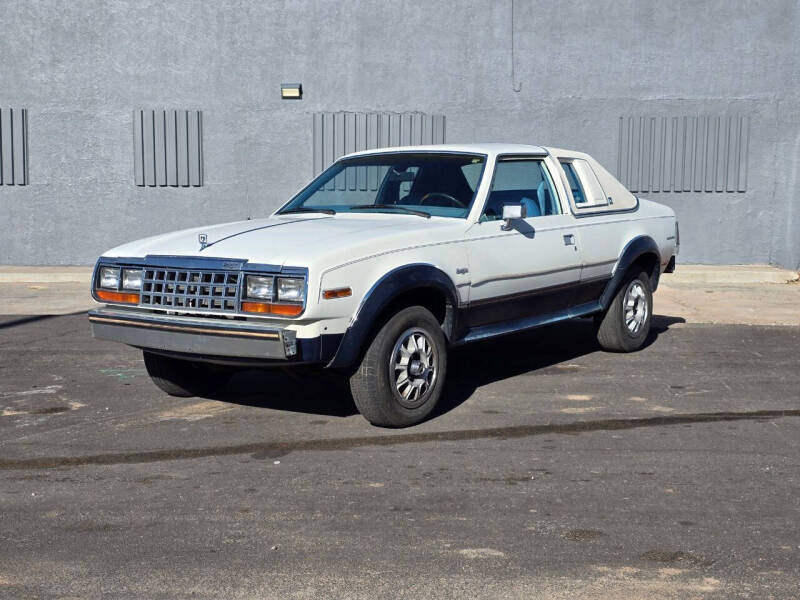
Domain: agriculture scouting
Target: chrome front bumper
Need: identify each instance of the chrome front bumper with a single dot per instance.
(192, 335)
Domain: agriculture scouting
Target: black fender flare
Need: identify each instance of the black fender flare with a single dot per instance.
(388, 287)
(635, 249)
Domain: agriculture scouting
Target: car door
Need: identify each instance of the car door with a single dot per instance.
(529, 269)
(596, 230)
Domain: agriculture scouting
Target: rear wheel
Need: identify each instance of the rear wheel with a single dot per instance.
(625, 325)
(401, 377)
(185, 378)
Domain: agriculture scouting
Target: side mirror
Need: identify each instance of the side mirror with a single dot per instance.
(511, 212)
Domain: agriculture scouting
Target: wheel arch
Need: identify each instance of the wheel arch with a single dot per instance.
(642, 252)
(415, 284)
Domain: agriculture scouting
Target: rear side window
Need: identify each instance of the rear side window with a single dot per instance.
(585, 187)
(574, 184)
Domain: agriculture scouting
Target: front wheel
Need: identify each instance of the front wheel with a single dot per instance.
(185, 378)
(625, 325)
(401, 377)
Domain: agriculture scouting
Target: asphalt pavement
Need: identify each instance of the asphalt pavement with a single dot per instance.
(553, 470)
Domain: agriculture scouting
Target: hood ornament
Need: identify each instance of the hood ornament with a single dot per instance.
(203, 239)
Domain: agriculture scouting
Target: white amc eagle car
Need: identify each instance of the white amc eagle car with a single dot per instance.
(386, 260)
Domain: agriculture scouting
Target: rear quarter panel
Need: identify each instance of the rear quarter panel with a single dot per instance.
(604, 236)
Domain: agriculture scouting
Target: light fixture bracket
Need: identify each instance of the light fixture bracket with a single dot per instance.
(292, 91)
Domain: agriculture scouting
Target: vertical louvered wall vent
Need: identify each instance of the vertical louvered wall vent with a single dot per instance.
(339, 133)
(13, 146)
(168, 148)
(684, 153)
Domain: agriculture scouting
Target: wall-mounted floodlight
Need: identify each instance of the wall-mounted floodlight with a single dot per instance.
(291, 91)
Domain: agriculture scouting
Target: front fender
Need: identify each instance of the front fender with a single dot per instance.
(388, 287)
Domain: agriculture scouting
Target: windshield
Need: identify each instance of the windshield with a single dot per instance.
(426, 184)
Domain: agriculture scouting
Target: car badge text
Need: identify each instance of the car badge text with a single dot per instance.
(203, 239)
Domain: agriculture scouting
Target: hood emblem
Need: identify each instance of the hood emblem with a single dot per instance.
(203, 239)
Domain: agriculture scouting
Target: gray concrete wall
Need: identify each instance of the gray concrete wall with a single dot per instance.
(82, 67)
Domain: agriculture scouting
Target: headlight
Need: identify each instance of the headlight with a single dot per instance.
(277, 296)
(260, 287)
(131, 279)
(109, 278)
(107, 285)
(291, 290)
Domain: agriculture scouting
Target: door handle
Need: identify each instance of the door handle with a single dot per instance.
(569, 240)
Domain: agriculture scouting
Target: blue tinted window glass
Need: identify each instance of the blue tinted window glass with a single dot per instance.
(438, 184)
(574, 183)
(521, 181)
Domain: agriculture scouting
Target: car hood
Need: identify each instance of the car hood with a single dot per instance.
(294, 240)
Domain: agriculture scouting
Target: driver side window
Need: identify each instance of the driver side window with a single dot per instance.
(521, 181)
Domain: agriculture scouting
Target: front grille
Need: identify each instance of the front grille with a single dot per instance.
(190, 289)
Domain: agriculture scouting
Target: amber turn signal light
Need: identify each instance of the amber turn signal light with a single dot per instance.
(284, 310)
(109, 296)
(337, 293)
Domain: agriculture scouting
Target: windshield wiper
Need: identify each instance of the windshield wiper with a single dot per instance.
(327, 211)
(419, 213)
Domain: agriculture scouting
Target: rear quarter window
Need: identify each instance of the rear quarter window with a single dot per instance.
(574, 184)
(584, 185)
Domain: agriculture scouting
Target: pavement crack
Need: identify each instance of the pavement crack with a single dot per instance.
(518, 431)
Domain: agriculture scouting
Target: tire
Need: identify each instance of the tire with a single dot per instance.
(402, 373)
(184, 378)
(625, 328)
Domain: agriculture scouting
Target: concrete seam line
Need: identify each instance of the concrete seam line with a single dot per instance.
(333, 444)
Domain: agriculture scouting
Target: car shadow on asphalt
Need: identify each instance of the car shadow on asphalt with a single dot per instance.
(538, 351)
(8, 321)
(309, 390)
(319, 392)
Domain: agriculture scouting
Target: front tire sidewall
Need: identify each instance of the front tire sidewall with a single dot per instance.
(373, 385)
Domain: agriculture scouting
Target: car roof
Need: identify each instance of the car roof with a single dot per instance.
(488, 148)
